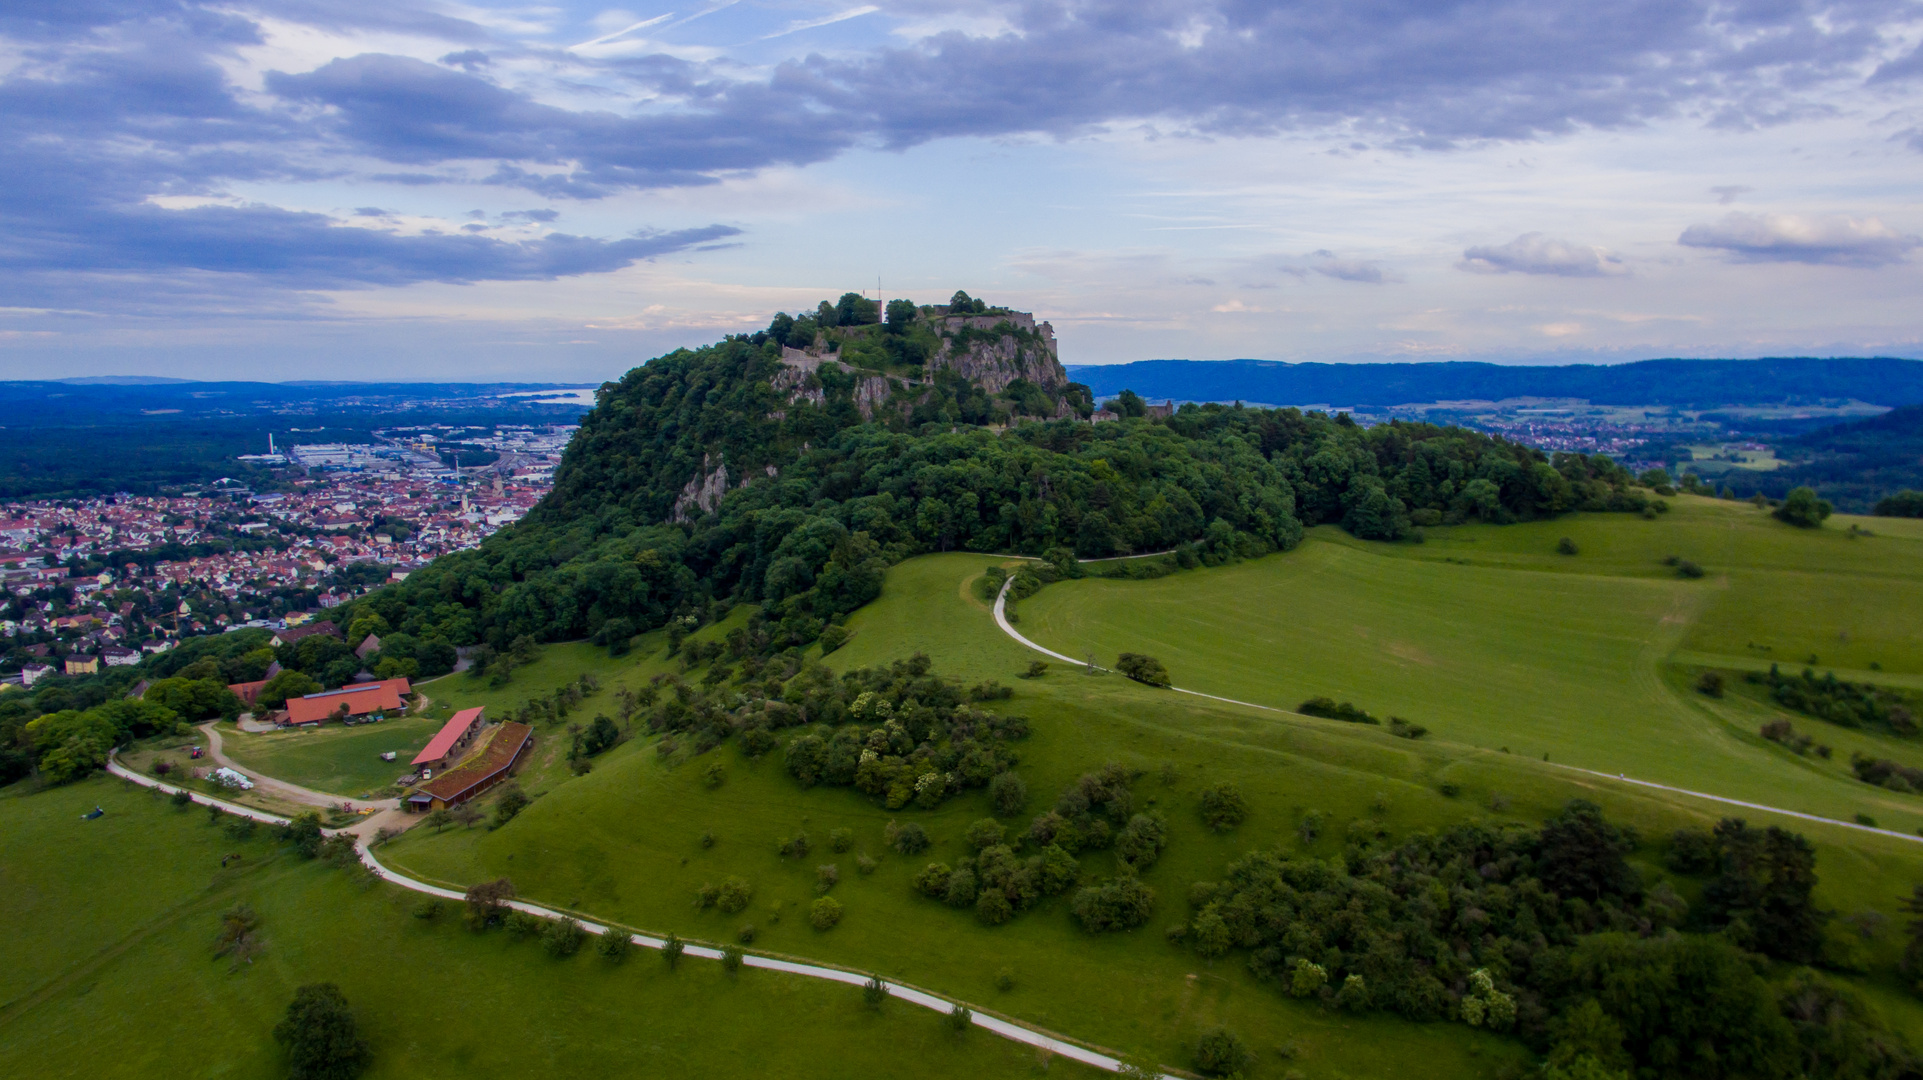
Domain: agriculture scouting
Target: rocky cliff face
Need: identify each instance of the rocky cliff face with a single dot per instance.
(703, 492)
(1024, 349)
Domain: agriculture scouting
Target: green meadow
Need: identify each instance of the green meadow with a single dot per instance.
(624, 841)
(109, 970)
(1490, 639)
(1506, 650)
(334, 758)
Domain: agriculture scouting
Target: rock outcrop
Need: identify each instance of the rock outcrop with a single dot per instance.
(1025, 350)
(703, 492)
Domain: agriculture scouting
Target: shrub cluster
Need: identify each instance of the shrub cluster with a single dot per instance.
(1847, 704)
(1551, 932)
(1785, 734)
(897, 733)
(1885, 773)
(1328, 709)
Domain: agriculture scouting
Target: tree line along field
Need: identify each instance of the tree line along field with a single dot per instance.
(1490, 638)
(626, 839)
(109, 969)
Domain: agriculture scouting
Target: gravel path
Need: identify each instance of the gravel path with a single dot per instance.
(1001, 620)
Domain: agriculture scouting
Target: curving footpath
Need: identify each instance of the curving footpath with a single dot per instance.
(1001, 620)
(1004, 1028)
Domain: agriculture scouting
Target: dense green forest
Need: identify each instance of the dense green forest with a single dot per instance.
(698, 478)
(1856, 466)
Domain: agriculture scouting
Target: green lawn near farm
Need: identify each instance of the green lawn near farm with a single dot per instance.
(1489, 643)
(333, 757)
(108, 970)
(625, 841)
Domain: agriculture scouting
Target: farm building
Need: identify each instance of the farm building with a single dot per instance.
(448, 743)
(362, 700)
(501, 750)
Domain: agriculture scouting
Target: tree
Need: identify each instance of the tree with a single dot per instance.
(288, 684)
(1764, 891)
(600, 735)
(320, 1035)
(874, 992)
(512, 801)
(1582, 855)
(563, 937)
(731, 959)
(1803, 509)
(238, 938)
(440, 819)
(1009, 794)
(1221, 1053)
(960, 1018)
(825, 913)
(1140, 842)
(487, 903)
(1912, 962)
(1143, 669)
(734, 895)
(900, 314)
(1223, 806)
(615, 945)
(671, 949)
(1905, 503)
(304, 832)
(1122, 903)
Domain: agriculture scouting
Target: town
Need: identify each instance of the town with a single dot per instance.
(100, 582)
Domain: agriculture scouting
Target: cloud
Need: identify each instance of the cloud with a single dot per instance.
(1728, 193)
(402, 110)
(542, 216)
(109, 104)
(1906, 67)
(1835, 241)
(1536, 253)
(1366, 271)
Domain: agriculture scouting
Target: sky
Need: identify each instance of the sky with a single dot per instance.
(408, 190)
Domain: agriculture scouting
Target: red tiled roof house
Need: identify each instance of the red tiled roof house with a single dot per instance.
(363, 700)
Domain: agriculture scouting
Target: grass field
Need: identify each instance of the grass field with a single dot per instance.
(623, 841)
(1499, 647)
(1484, 634)
(334, 758)
(108, 970)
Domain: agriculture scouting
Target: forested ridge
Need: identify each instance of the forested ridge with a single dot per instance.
(819, 494)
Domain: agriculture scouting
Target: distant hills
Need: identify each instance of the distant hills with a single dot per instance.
(1853, 465)
(1879, 380)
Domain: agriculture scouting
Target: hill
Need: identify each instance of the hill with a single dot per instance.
(790, 467)
(1685, 383)
(1856, 465)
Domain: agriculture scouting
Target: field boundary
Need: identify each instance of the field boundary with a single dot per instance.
(1007, 1029)
(1001, 620)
